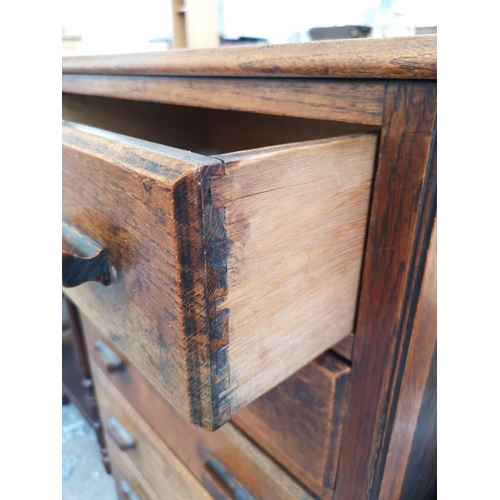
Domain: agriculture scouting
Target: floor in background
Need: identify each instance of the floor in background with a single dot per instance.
(83, 475)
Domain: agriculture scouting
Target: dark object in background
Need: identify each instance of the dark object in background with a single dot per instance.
(242, 40)
(338, 32)
(426, 30)
(77, 380)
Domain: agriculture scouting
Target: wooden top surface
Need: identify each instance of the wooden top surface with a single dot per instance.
(412, 57)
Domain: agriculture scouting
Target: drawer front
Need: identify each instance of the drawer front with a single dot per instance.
(299, 422)
(198, 247)
(129, 481)
(224, 461)
(120, 193)
(130, 436)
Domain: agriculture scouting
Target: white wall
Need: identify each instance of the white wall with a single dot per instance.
(114, 26)
(277, 20)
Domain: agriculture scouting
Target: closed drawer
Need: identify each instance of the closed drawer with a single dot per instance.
(227, 273)
(129, 437)
(130, 484)
(224, 461)
(299, 422)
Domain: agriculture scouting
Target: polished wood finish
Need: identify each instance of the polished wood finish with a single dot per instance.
(345, 101)
(82, 259)
(299, 423)
(398, 233)
(197, 447)
(201, 245)
(403, 58)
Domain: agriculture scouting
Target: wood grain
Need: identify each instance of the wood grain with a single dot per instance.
(126, 194)
(344, 347)
(345, 101)
(195, 446)
(398, 228)
(168, 476)
(410, 468)
(401, 57)
(296, 216)
(201, 245)
(202, 130)
(299, 422)
(124, 469)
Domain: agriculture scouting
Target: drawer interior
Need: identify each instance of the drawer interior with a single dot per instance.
(201, 130)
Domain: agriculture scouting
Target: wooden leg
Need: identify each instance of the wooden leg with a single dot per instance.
(81, 353)
(65, 399)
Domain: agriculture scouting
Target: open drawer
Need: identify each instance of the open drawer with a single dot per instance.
(221, 274)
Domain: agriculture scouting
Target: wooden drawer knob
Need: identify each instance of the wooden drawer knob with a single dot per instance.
(127, 492)
(222, 474)
(111, 360)
(119, 434)
(82, 258)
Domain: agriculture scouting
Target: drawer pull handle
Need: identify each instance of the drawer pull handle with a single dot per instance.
(127, 492)
(82, 258)
(220, 471)
(112, 360)
(119, 434)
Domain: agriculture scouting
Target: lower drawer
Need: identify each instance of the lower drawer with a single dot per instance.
(130, 484)
(299, 422)
(129, 437)
(226, 463)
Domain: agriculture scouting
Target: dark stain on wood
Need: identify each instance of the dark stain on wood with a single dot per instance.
(420, 475)
(203, 251)
(396, 236)
(83, 259)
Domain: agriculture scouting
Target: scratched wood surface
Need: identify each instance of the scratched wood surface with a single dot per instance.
(197, 448)
(120, 192)
(195, 258)
(164, 472)
(399, 228)
(296, 216)
(342, 100)
(406, 57)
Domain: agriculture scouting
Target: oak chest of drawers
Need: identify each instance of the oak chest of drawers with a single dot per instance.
(249, 237)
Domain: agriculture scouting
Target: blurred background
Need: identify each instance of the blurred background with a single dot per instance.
(113, 26)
